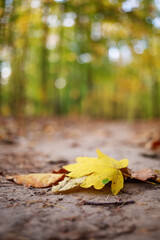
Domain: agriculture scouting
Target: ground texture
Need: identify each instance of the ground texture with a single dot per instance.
(28, 146)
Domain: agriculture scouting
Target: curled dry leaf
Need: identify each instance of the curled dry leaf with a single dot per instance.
(38, 180)
(146, 174)
(67, 184)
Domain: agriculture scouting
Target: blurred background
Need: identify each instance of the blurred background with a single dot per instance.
(97, 58)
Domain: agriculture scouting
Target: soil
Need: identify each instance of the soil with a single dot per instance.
(43, 145)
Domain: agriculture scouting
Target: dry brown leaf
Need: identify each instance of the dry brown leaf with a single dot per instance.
(146, 174)
(62, 170)
(126, 172)
(155, 145)
(38, 180)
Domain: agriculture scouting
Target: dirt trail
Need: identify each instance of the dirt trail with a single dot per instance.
(43, 145)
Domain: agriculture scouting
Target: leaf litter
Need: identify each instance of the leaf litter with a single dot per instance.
(87, 172)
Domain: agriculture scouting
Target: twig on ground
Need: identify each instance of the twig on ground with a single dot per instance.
(108, 203)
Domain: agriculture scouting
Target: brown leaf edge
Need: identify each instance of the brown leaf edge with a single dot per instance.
(60, 171)
(144, 175)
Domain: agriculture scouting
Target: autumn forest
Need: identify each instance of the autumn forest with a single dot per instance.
(92, 58)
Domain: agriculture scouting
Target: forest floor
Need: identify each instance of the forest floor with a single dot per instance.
(42, 145)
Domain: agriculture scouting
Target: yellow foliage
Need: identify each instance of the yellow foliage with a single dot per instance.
(99, 171)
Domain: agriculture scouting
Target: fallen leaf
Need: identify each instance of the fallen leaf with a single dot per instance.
(152, 148)
(38, 180)
(67, 184)
(157, 176)
(152, 140)
(61, 170)
(155, 144)
(146, 174)
(98, 171)
(126, 172)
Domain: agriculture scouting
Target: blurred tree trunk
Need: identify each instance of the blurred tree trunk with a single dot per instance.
(2, 42)
(18, 57)
(1, 104)
(155, 85)
(44, 59)
(155, 98)
(58, 98)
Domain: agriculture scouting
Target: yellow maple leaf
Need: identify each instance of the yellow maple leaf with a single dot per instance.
(99, 171)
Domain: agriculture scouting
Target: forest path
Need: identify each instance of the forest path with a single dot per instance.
(43, 145)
